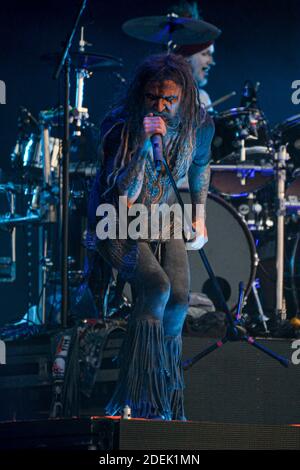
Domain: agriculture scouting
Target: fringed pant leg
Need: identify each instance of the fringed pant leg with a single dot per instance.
(173, 347)
(143, 378)
(175, 264)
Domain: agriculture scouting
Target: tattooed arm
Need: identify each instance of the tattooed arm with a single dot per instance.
(199, 176)
(130, 180)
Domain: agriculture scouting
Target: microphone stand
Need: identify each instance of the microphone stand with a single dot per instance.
(235, 331)
(64, 209)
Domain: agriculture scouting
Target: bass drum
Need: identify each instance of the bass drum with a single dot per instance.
(230, 251)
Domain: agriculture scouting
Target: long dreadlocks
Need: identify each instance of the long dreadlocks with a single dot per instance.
(157, 68)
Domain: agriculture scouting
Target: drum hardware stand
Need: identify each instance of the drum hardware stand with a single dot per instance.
(36, 314)
(43, 203)
(65, 62)
(242, 159)
(280, 157)
(292, 273)
(43, 206)
(31, 317)
(243, 136)
(261, 316)
(235, 330)
(8, 264)
(44, 264)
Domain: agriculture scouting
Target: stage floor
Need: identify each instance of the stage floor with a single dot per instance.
(236, 397)
(106, 434)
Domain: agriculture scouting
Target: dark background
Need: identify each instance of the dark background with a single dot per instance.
(260, 41)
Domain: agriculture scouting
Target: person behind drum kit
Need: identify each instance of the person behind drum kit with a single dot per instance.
(200, 56)
(162, 99)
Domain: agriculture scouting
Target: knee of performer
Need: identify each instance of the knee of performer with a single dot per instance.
(159, 288)
(152, 298)
(175, 315)
(179, 298)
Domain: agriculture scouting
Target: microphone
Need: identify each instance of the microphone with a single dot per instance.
(156, 141)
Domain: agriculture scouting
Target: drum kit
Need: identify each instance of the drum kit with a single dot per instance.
(255, 170)
(255, 182)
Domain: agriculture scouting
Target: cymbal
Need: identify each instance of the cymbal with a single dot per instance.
(11, 221)
(179, 30)
(88, 61)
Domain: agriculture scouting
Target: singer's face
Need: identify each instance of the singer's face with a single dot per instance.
(201, 64)
(163, 98)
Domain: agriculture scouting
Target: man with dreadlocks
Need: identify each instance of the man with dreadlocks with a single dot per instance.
(162, 99)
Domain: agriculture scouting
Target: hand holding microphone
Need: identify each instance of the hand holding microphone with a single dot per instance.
(155, 128)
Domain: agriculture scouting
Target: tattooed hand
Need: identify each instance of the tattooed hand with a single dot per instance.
(153, 125)
(200, 236)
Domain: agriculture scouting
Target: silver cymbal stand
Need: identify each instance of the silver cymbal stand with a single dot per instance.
(81, 113)
(43, 204)
(243, 158)
(281, 158)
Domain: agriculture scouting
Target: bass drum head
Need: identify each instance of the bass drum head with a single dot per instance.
(230, 251)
